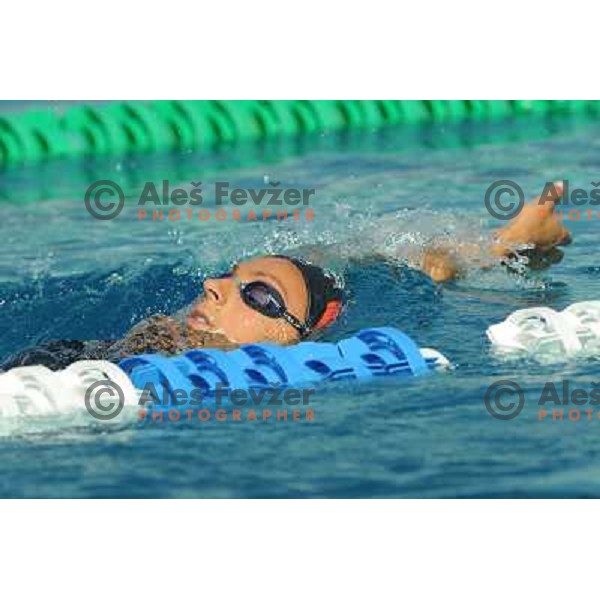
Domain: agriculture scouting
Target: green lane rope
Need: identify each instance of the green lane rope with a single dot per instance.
(121, 128)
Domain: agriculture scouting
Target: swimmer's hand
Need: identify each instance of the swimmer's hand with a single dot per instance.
(536, 228)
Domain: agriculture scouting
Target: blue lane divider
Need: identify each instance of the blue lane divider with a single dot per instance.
(376, 352)
(386, 350)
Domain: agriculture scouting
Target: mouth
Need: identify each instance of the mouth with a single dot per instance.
(199, 321)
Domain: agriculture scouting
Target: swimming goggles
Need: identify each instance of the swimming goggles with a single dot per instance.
(265, 299)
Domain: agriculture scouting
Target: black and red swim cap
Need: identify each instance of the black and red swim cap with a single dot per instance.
(325, 294)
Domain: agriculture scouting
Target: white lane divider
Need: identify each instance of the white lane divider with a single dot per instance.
(36, 390)
(547, 332)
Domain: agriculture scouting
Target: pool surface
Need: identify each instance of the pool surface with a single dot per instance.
(64, 275)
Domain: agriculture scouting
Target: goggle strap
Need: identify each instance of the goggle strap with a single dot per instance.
(300, 327)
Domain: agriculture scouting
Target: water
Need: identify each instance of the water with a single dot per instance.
(66, 275)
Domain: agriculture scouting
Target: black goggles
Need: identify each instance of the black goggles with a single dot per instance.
(265, 299)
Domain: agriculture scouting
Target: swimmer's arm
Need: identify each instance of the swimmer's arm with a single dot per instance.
(441, 263)
(444, 263)
(535, 228)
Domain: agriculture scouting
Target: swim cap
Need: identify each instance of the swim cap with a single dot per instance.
(325, 294)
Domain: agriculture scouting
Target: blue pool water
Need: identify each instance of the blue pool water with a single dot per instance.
(66, 275)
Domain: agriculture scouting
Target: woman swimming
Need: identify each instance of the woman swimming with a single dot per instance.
(284, 300)
(271, 298)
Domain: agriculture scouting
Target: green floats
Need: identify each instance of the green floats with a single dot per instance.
(120, 128)
(32, 136)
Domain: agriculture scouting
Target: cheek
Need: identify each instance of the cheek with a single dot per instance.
(242, 324)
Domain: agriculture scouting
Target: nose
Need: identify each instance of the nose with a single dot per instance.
(216, 290)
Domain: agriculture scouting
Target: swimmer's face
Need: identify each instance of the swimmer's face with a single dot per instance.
(221, 308)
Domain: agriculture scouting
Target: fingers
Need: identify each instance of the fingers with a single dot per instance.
(548, 198)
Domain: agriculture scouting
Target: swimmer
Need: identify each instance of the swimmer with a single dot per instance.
(285, 300)
(273, 298)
